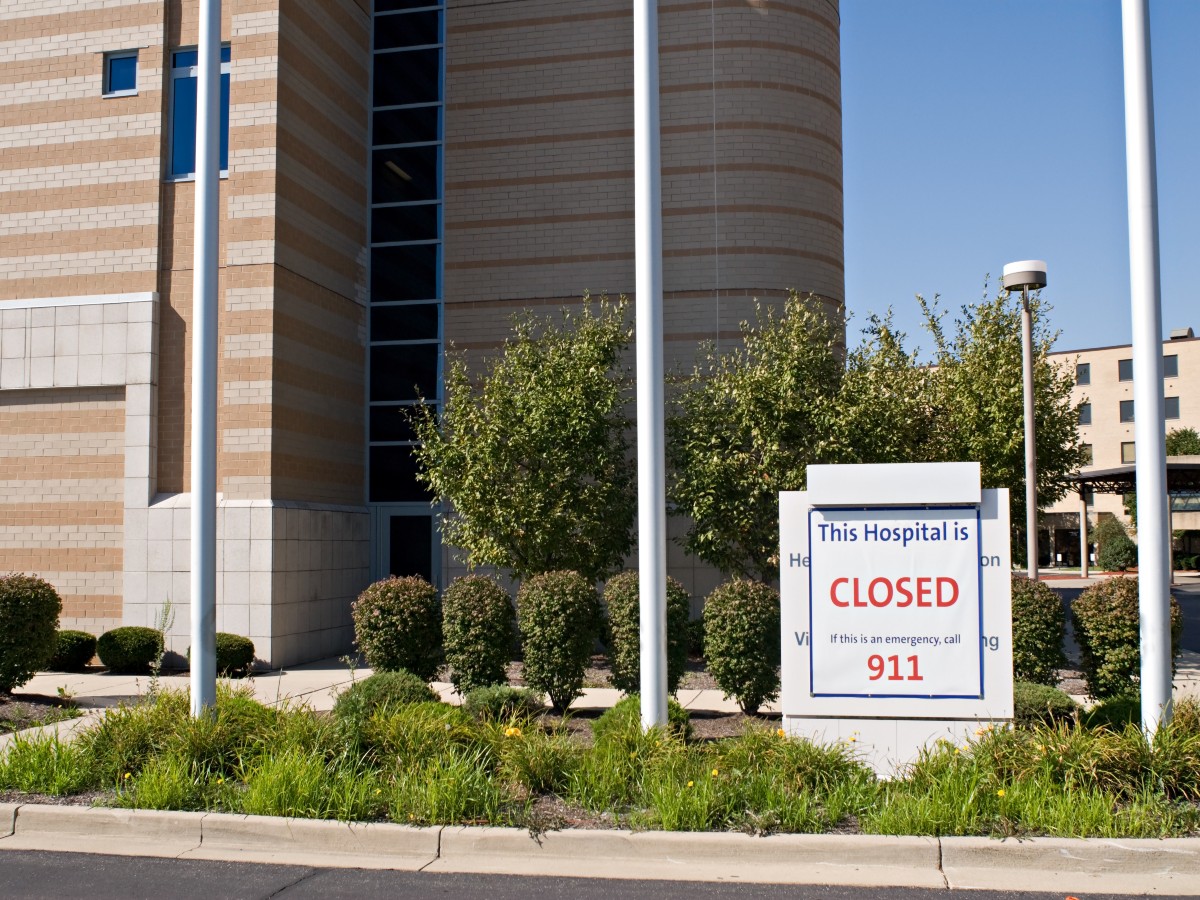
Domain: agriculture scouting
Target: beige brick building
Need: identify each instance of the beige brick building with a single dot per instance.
(399, 175)
(1104, 383)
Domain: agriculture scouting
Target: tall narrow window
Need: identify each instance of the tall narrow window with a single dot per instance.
(1083, 373)
(1126, 410)
(1127, 454)
(1171, 366)
(1085, 414)
(1087, 453)
(184, 71)
(1171, 407)
(120, 73)
(1125, 370)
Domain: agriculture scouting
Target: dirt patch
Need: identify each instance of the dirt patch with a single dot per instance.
(88, 798)
(32, 710)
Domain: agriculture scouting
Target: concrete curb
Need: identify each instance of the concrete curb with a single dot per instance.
(1110, 865)
(1130, 867)
(314, 842)
(698, 856)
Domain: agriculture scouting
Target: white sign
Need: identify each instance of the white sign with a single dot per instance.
(896, 602)
(896, 612)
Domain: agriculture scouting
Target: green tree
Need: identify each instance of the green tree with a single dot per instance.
(532, 457)
(978, 404)
(744, 426)
(747, 424)
(1183, 442)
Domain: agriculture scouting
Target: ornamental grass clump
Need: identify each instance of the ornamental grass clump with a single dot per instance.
(1107, 628)
(398, 625)
(622, 600)
(29, 610)
(557, 613)
(1039, 625)
(480, 632)
(741, 641)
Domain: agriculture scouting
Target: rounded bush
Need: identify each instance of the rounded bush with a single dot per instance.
(1107, 630)
(557, 613)
(73, 650)
(29, 609)
(741, 641)
(502, 702)
(398, 625)
(1040, 703)
(390, 690)
(129, 650)
(480, 632)
(235, 654)
(1038, 627)
(622, 597)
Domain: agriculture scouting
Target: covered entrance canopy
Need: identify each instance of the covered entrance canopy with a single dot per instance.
(1183, 479)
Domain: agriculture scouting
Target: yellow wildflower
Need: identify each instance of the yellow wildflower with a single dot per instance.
(781, 732)
(127, 775)
(512, 731)
(691, 784)
(715, 773)
(1000, 793)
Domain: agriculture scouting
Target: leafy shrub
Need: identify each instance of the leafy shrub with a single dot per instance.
(1115, 712)
(1040, 703)
(1107, 629)
(626, 716)
(502, 702)
(29, 609)
(741, 641)
(1038, 625)
(480, 630)
(73, 650)
(622, 596)
(558, 614)
(398, 625)
(1117, 555)
(383, 690)
(129, 650)
(1108, 528)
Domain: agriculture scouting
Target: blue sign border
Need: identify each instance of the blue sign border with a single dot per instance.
(979, 575)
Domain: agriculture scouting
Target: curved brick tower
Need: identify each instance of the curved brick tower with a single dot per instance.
(539, 159)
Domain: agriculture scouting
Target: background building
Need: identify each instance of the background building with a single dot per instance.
(1104, 384)
(398, 177)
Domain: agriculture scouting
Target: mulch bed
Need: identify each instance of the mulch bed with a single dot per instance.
(32, 710)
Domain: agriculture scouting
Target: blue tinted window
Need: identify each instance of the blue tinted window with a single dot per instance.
(183, 126)
(120, 73)
(183, 112)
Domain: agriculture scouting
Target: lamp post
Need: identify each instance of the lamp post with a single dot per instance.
(1028, 274)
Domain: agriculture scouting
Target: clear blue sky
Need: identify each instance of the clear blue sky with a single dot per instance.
(980, 132)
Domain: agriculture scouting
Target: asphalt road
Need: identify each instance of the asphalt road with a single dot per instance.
(39, 874)
(1188, 596)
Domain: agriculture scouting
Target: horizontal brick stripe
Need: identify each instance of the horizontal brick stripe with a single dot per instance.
(627, 215)
(62, 467)
(70, 559)
(62, 513)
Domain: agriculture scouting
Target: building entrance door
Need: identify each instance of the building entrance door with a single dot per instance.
(405, 542)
